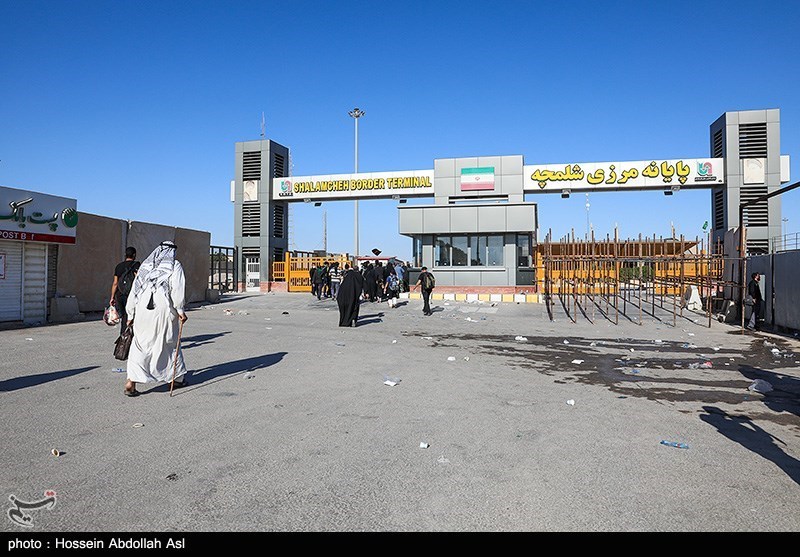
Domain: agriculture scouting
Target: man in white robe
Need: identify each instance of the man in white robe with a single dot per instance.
(155, 307)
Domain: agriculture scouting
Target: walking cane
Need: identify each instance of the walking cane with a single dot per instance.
(175, 363)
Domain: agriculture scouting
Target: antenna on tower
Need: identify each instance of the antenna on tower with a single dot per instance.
(588, 226)
(263, 126)
(292, 245)
(325, 231)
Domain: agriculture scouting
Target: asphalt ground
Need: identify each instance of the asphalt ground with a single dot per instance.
(287, 424)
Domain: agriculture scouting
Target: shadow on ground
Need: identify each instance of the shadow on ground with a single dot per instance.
(33, 380)
(744, 431)
(220, 372)
(200, 340)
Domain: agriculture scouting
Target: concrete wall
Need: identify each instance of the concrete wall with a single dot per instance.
(779, 286)
(86, 269)
(194, 254)
(786, 267)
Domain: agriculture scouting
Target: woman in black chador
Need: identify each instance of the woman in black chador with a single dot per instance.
(349, 297)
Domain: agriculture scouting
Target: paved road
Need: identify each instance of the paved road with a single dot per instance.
(288, 425)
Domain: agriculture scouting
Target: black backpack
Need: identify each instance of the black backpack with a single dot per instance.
(125, 282)
(428, 281)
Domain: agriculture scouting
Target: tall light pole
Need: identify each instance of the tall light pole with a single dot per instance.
(356, 113)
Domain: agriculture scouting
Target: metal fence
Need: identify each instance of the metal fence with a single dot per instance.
(787, 242)
(634, 279)
(223, 274)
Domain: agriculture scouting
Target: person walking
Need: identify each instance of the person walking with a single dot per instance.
(369, 282)
(379, 281)
(754, 292)
(400, 272)
(335, 276)
(426, 282)
(391, 286)
(311, 273)
(124, 275)
(318, 282)
(156, 307)
(349, 296)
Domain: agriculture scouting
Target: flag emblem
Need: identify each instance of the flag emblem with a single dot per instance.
(481, 178)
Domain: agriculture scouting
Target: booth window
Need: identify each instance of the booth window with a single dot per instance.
(477, 250)
(495, 251)
(474, 251)
(417, 252)
(442, 251)
(460, 247)
(523, 250)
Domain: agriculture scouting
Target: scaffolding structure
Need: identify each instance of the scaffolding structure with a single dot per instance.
(636, 278)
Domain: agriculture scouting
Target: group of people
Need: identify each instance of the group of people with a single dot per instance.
(368, 283)
(150, 297)
(381, 282)
(384, 283)
(325, 279)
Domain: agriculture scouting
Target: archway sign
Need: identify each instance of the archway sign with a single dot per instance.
(547, 178)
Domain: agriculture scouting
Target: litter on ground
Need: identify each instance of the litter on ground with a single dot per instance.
(424, 445)
(137, 425)
(451, 358)
(521, 338)
(577, 361)
(571, 402)
(760, 386)
(675, 444)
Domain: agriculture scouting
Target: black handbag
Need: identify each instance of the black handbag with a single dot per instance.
(123, 343)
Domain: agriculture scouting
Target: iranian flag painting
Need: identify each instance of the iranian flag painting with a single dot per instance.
(477, 178)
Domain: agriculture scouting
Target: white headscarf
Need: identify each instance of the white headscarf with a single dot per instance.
(155, 271)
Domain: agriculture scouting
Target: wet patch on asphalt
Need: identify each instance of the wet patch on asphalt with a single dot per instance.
(659, 372)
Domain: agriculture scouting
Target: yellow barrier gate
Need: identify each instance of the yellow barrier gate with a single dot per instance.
(295, 270)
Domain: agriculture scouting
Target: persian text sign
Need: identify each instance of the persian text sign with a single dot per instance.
(353, 186)
(35, 217)
(624, 175)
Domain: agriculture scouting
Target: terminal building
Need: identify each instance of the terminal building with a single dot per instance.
(479, 232)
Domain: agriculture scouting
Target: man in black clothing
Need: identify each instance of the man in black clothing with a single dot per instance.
(754, 291)
(425, 282)
(124, 273)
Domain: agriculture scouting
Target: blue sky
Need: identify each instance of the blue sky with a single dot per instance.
(134, 108)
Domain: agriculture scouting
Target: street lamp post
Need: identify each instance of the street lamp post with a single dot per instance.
(356, 113)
